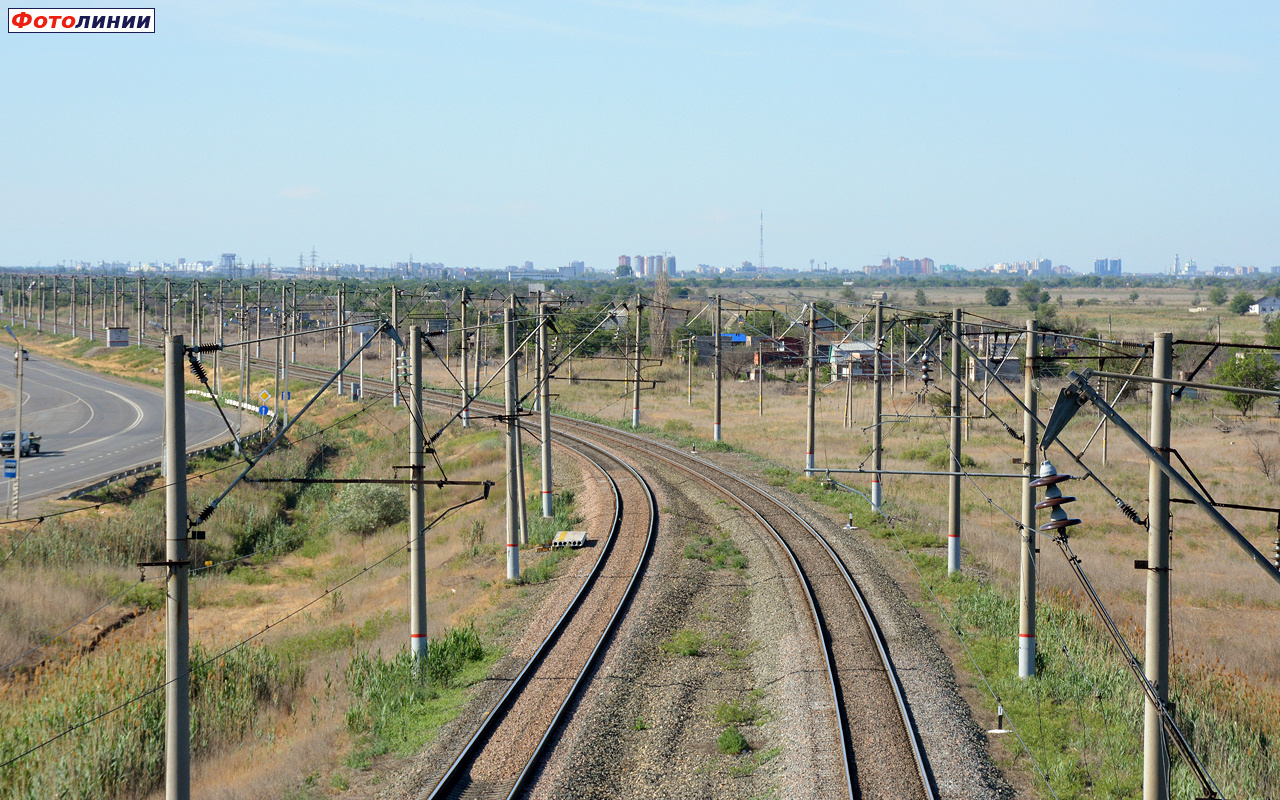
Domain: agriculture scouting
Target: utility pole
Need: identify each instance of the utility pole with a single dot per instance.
(544, 408)
(635, 403)
(395, 350)
(1027, 585)
(342, 332)
(245, 368)
(877, 400)
(279, 344)
(715, 422)
(509, 408)
(417, 515)
(73, 308)
(522, 512)
(88, 306)
(760, 378)
(217, 362)
(177, 722)
(462, 358)
(809, 433)
(196, 322)
(142, 311)
(17, 421)
(285, 342)
(953, 493)
(55, 305)
(40, 310)
(1155, 779)
(691, 343)
(482, 318)
(258, 335)
(293, 328)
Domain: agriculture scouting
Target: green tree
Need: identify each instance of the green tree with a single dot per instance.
(1217, 295)
(622, 271)
(1031, 294)
(1133, 297)
(997, 296)
(921, 298)
(1251, 370)
(1241, 302)
(1271, 327)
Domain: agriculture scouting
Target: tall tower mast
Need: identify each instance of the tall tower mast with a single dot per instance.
(761, 239)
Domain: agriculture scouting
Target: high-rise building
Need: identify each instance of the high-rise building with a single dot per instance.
(671, 266)
(624, 261)
(1114, 267)
(1099, 266)
(637, 265)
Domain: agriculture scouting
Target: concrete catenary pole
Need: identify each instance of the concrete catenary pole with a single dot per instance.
(953, 488)
(417, 514)
(809, 433)
(88, 306)
(342, 332)
(55, 304)
(258, 332)
(544, 408)
(395, 350)
(217, 361)
(286, 318)
(177, 722)
(509, 409)
(1027, 583)
(522, 511)
(715, 421)
(877, 403)
(1155, 779)
(462, 360)
(635, 402)
(74, 333)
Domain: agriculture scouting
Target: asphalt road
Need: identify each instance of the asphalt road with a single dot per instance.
(91, 426)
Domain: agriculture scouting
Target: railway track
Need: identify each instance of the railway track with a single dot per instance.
(882, 751)
(868, 693)
(505, 752)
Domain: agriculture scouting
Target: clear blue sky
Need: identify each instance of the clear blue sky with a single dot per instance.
(490, 133)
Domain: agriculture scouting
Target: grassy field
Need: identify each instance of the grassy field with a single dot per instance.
(1080, 719)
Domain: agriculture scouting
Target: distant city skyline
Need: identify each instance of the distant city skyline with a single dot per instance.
(485, 133)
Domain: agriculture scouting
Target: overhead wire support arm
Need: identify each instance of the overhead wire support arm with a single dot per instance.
(1124, 507)
(1079, 392)
(198, 370)
(383, 327)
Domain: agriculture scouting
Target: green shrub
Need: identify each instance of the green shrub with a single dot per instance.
(731, 742)
(362, 508)
(743, 713)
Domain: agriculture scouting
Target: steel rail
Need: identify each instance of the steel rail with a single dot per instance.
(453, 779)
(913, 733)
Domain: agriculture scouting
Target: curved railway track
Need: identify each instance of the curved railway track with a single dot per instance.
(505, 752)
(866, 689)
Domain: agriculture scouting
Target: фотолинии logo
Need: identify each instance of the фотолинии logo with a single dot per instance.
(82, 20)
